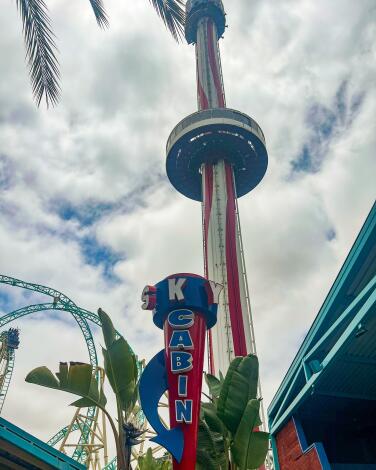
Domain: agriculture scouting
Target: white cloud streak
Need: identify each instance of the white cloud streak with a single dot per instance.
(103, 147)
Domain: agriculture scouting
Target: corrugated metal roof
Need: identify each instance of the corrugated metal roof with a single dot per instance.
(358, 270)
(353, 372)
(18, 439)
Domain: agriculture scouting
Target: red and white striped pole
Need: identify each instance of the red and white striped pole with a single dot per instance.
(214, 156)
(233, 334)
(222, 243)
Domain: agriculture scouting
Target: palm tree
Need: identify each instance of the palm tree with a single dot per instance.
(41, 48)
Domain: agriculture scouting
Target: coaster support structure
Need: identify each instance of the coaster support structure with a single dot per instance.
(9, 342)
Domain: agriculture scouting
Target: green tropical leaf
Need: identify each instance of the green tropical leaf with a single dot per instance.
(239, 386)
(214, 385)
(166, 465)
(250, 447)
(136, 399)
(119, 364)
(209, 415)
(212, 452)
(40, 50)
(100, 13)
(221, 378)
(42, 376)
(121, 370)
(148, 462)
(77, 378)
(83, 403)
(204, 461)
(62, 375)
(172, 14)
(108, 329)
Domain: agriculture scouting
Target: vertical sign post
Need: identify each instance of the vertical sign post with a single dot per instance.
(185, 307)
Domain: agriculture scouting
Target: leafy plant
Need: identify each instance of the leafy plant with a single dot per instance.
(212, 449)
(148, 462)
(41, 50)
(228, 424)
(78, 378)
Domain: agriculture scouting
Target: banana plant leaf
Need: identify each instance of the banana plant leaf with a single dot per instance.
(148, 462)
(108, 329)
(249, 447)
(212, 452)
(77, 378)
(119, 364)
(239, 386)
(209, 415)
(214, 385)
(221, 378)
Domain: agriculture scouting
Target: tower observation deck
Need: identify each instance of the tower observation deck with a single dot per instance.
(215, 156)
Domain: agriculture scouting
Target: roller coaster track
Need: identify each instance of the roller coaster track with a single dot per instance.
(63, 303)
(63, 432)
(36, 288)
(7, 377)
(80, 315)
(8, 343)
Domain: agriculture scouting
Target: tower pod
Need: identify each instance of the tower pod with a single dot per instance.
(212, 135)
(197, 9)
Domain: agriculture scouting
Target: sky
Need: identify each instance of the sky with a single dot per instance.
(85, 204)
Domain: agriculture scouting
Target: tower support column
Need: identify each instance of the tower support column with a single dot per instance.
(210, 89)
(224, 263)
(215, 156)
(232, 335)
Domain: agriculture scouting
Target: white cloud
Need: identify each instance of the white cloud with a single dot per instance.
(123, 91)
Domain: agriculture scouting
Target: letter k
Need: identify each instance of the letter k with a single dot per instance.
(175, 287)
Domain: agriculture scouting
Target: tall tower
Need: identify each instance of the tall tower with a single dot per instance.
(215, 156)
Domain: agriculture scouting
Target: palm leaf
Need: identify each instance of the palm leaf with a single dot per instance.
(41, 47)
(40, 50)
(100, 13)
(172, 14)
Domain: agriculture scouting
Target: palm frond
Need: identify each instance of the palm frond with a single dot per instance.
(172, 13)
(40, 50)
(100, 13)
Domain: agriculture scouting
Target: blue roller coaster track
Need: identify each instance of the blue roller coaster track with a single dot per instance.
(9, 341)
(63, 303)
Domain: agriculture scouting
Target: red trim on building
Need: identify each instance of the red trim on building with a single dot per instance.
(290, 453)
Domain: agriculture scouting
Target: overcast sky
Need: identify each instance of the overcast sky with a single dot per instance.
(85, 204)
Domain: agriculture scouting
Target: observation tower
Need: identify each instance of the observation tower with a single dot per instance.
(215, 156)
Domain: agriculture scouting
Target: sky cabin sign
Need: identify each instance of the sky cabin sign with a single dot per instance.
(184, 306)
